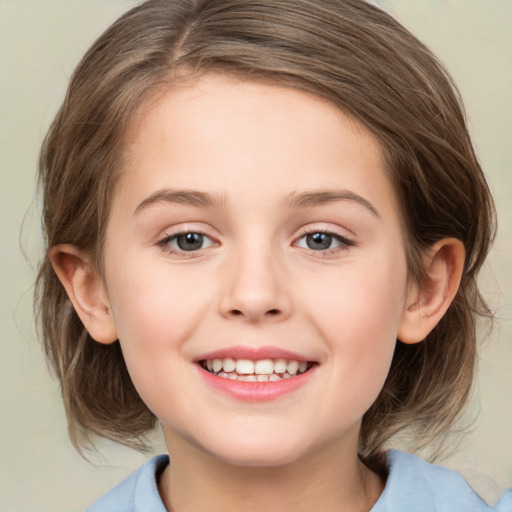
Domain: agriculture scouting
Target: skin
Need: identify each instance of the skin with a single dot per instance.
(254, 149)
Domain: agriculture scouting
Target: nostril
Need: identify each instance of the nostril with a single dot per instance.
(253, 315)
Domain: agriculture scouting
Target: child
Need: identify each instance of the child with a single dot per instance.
(264, 224)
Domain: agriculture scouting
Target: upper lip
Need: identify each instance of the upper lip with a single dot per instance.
(252, 353)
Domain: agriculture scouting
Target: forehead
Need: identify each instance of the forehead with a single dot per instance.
(219, 133)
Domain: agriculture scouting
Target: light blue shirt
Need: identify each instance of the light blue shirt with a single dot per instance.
(413, 485)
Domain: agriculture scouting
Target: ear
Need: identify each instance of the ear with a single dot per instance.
(86, 290)
(428, 301)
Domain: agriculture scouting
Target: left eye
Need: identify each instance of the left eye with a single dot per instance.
(319, 241)
(188, 242)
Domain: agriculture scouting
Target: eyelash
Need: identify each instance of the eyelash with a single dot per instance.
(343, 243)
(164, 244)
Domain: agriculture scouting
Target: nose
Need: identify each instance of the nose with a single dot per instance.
(255, 288)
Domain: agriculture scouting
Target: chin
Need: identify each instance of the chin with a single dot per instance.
(264, 452)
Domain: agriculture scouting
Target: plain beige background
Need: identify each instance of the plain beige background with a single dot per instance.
(40, 43)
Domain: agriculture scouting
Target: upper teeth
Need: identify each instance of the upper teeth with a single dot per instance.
(259, 367)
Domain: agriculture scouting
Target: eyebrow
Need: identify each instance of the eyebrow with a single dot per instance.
(319, 198)
(186, 197)
(292, 200)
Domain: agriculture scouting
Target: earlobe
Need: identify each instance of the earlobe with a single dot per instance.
(86, 290)
(428, 301)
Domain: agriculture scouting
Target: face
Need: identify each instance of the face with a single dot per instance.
(255, 270)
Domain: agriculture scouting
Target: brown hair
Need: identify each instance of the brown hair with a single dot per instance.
(347, 51)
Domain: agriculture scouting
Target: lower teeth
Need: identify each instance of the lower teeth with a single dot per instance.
(273, 377)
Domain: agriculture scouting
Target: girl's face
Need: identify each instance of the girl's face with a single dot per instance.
(255, 224)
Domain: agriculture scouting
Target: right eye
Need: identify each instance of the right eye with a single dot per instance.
(189, 241)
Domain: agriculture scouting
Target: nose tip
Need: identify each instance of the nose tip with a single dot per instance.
(255, 292)
(253, 310)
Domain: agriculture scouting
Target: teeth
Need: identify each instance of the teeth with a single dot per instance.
(245, 367)
(280, 366)
(264, 367)
(247, 378)
(262, 370)
(228, 364)
(293, 367)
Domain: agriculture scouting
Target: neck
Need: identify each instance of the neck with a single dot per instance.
(196, 480)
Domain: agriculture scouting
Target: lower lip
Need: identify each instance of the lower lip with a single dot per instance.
(256, 391)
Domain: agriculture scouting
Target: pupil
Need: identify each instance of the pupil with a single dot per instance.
(318, 241)
(190, 241)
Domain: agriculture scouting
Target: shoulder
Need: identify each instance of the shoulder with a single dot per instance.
(414, 484)
(136, 493)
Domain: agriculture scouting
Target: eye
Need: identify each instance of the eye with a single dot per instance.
(322, 241)
(186, 242)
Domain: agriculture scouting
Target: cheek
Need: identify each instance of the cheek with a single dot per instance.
(155, 310)
(154, 317)
(355, 304)
(359, 330)
(357, 312)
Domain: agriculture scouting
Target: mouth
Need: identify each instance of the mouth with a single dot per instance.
(260, 370)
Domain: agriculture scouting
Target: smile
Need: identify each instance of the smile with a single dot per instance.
(261, 370)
